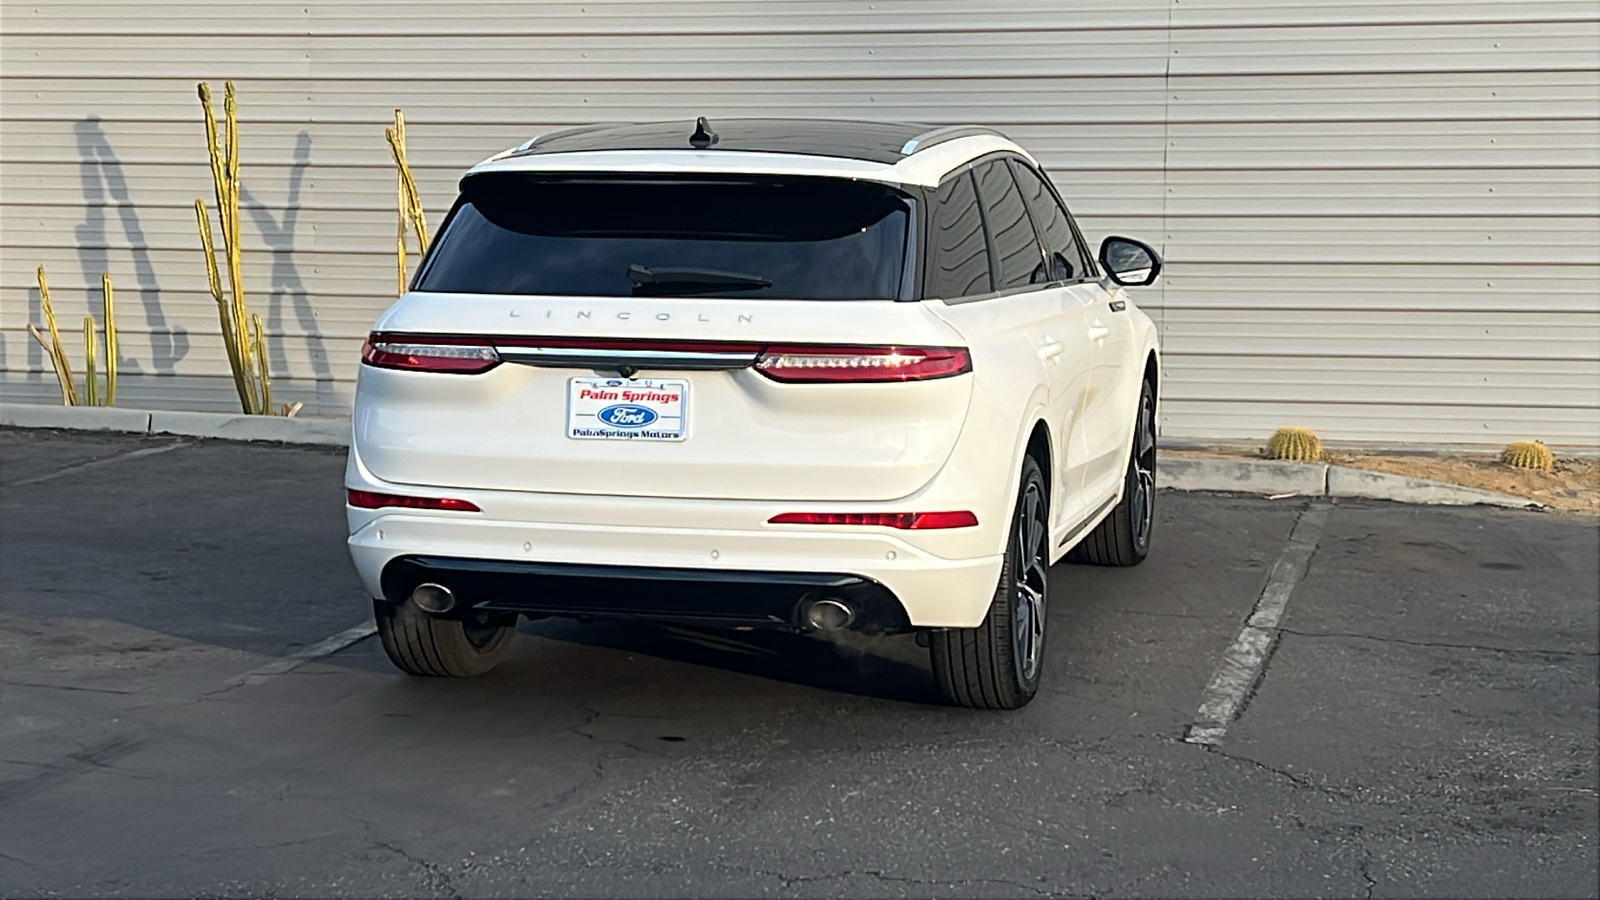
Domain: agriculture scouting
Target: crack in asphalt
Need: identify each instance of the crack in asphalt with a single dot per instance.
(96, 463)
(1442, 644)
(592, 715)
(1162, 615)
(19, 860)
(99, 755)
(791, 880)
(1297, 780)
(68, 687)
(434, 879)
(1367, 876)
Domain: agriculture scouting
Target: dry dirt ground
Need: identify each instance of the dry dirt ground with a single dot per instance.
(1574, 485)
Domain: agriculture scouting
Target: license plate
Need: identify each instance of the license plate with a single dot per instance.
(618, 409)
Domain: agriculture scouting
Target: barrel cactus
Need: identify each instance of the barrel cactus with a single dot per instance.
(1299, 444)
(1529, 455)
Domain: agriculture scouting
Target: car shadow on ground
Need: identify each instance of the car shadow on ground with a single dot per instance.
(888, 668)
(891, 667)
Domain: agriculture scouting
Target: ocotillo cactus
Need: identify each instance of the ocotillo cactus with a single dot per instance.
(407, 198)
(1529, 455)
(1295, 444)
(53, 348)
(91, 395)
(91, 389)
(246, 352)
(111, 340)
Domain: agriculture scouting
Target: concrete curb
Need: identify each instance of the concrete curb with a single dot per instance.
(334, 432)
(228, 426)
(82, 418)
(1260, 476)
(1179, 473)
(1249, 476)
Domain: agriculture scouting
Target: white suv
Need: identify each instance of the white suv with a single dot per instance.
(794, 374)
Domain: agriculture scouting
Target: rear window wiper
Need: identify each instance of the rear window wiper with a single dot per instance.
(648, 281)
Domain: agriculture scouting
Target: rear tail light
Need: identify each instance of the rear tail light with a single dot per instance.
(908, 520)
(805, 364)
(374, 500)
(460, 359)
(789, 363)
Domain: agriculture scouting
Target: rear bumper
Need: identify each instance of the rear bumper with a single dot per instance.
(724, 597)
(580, 554)
(562, 559)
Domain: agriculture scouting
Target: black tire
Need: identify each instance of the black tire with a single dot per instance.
(997, 664)
(1123, 537)
(421, 644)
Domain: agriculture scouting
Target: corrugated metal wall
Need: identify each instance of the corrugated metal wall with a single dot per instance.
(1382, 219)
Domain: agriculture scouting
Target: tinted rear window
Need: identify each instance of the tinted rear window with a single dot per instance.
(781, 238)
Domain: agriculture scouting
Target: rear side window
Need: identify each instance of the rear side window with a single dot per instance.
(790, 238)
(1055, 227)
(960, 253)
(1018, 261)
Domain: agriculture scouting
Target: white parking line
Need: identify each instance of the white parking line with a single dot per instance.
(295, 660)
(1244, 660)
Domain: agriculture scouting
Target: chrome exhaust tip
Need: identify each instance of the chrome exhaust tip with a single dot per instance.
(829, 614)
(433, 598)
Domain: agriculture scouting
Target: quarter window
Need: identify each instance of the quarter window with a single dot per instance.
(1055, 225)
(961, 255)
(1018, 260)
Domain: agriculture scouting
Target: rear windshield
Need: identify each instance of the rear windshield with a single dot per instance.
(791, 238)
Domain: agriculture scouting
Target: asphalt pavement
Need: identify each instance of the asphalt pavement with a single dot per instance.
(1426, 721)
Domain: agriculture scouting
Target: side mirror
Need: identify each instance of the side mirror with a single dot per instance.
(1130, 262)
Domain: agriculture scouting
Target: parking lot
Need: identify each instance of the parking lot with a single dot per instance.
(172, 721)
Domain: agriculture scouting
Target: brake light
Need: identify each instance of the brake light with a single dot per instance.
(909, 520)
(459, 359)
(801, 364)
(374, 500)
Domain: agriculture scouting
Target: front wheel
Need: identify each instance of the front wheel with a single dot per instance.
(997, 664)
(421, 644)
(1123, 537)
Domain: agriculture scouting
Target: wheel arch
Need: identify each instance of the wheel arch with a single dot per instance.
(1152, 371)
(1039, 448)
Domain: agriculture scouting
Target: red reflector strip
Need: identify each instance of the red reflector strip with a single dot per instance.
(374, 500)
(957, 519)
(800, 363)
(910, 520)
(415, 356)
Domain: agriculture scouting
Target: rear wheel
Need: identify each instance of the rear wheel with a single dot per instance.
(422, 644)
(997, 664)
(1123, 538)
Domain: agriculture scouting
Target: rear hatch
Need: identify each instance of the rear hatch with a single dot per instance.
(729, 338)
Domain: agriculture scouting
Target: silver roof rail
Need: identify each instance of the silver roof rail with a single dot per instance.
(944, 133)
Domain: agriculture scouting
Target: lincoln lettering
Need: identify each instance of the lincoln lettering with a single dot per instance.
(626, 315)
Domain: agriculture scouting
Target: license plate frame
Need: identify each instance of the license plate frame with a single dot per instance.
(623, 409)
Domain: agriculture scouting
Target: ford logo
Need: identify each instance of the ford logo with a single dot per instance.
(626, 415)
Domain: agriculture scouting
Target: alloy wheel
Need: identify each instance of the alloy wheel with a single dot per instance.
(1027, 625)
(1143, 502)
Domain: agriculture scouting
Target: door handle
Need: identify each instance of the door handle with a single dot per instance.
(1098, 332)
(1050, 350)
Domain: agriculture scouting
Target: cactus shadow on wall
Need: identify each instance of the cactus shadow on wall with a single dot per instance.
(287, 288)
(105, 189)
